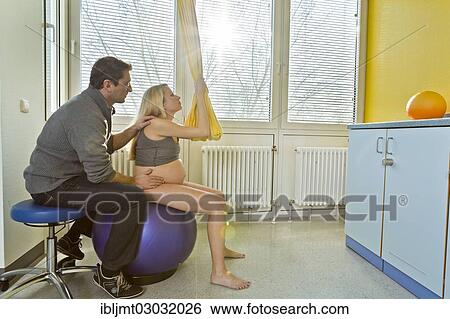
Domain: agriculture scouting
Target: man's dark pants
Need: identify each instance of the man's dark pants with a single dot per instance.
(126, 203)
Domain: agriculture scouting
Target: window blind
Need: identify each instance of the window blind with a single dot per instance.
(323, 61)
(236, 40)
(51, 45)
(140, 32)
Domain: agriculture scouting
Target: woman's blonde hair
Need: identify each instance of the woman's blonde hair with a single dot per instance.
(152, 104)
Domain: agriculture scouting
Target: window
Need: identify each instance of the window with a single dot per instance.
(236, 40)
(323, 60)
(238, 46)
(140, 32)
(51, 54)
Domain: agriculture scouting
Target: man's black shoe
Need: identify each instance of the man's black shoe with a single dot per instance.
(69, 248)
(117, 286)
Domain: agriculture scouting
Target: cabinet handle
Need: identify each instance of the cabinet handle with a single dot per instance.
(378, 145)
(387, 145)
(388, 162)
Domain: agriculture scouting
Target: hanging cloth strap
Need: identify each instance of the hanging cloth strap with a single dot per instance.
(189, 30)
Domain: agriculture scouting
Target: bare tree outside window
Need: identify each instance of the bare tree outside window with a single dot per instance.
(140, 32)
(323, 55)
(236, 40)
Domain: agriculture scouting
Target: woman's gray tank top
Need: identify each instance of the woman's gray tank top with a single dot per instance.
(154, 153)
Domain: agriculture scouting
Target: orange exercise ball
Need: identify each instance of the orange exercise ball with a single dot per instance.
(426, 105)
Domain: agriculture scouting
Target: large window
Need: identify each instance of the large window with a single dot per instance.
(236, 39)
(240, 40)
(140, 32)
(323, 55)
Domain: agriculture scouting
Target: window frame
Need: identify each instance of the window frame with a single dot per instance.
(74, 47)
(61, 58)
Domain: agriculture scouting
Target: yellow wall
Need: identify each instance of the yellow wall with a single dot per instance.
(401, 62)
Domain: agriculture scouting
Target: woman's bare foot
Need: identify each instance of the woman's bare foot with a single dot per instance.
(228, 253)
(227, 279)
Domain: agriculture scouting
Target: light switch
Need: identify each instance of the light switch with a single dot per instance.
(24, 106)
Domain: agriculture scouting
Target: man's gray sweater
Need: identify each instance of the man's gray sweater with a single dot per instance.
(75, 141)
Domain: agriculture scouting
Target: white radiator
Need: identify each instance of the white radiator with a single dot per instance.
(121, 163)
(320, 171)
(240, 172)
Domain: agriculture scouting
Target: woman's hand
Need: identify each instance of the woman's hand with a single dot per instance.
(142, 122)
(200, 87)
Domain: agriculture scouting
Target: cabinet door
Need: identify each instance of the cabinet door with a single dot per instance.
(447, 263)
(414, 236)
(365, 177)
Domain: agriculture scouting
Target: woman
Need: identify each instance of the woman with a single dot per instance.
(156, 147)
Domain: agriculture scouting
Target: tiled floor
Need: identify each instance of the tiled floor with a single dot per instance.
(284, 260)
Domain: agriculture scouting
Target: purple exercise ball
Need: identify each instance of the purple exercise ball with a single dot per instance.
(167, 239)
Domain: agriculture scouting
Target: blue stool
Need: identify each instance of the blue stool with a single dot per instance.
(30, 214)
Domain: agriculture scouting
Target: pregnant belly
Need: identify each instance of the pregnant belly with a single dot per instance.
(173, 172)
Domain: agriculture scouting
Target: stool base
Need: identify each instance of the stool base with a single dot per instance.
(52, 273)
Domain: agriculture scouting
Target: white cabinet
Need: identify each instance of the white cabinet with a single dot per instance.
(365, 177)
(406, 170)
(414, 236)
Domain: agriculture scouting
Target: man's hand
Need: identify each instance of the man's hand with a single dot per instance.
(119, 140)
(142, 122)
(148, 181)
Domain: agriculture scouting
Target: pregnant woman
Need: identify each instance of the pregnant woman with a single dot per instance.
(156, 147)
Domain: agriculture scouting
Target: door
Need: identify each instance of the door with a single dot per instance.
(415, 220)
(365, 178)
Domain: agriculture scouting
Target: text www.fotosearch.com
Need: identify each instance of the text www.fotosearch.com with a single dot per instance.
(115, 309)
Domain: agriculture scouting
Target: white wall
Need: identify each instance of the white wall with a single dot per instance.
(21, 66)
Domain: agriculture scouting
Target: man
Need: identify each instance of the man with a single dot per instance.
(71, 167)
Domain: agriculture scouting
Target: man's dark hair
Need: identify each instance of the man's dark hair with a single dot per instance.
(107, 68)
